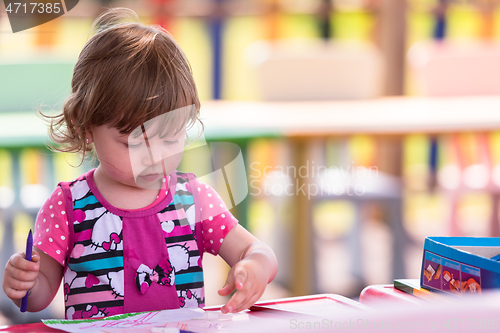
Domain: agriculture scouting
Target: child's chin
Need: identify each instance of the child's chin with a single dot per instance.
(149, 184)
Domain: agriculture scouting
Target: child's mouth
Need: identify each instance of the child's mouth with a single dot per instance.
(151, 177)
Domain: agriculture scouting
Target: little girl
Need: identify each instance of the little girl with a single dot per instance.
(129, 235)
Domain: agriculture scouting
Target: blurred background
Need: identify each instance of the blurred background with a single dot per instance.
(275, 51)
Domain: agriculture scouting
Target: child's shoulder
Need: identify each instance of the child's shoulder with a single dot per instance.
(79, 187)
(184, 176)
(193, 180)
(80, 179)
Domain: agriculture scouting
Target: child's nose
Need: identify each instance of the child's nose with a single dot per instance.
(151, 156)
(157, 153)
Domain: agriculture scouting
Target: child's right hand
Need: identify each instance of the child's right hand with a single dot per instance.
(20, 275)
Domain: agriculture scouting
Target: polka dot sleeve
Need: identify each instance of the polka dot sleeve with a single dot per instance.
(216, 220)
(51, 227)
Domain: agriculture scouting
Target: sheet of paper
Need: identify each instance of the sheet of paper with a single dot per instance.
(186, 320)
(137, 322)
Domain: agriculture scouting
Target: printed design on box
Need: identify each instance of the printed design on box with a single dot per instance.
(471, 279)
(478, 259)
(451, 276)
(432, 270)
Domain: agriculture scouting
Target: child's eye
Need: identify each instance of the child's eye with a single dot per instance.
(170, 142)
(133, 145)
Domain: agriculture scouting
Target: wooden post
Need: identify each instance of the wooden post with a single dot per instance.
(393, 44)
(302, 265)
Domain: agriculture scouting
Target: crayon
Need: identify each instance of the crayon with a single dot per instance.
(29, 248)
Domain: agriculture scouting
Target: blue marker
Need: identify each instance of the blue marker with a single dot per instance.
(29, 248)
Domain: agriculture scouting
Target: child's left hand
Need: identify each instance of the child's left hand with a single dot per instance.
(249, 277)
(253, 266)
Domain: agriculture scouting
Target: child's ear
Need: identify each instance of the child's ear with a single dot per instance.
(89, 138)
(78, 130)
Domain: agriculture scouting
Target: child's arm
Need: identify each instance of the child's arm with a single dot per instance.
(42, 275)
(253, 266)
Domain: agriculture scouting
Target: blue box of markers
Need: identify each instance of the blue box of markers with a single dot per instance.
(460, 265)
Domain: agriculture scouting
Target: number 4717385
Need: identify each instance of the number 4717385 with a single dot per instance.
(43, 8)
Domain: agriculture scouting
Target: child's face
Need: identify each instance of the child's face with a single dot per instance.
(138, 160)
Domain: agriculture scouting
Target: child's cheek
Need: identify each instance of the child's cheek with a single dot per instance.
(172, 162)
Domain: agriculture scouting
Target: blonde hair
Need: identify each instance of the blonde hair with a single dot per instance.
(126, 74)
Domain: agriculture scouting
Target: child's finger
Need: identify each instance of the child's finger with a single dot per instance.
(226, 290)
(22, 286)
(14, 288)
(35, 257)
(239, 298)
(20, 274)
(24, 276)
(247, 302)
(238, 302)
(18, 261)
(235, 280)
(246, 296)
(240, 276)
(228, 287)
(14, 293)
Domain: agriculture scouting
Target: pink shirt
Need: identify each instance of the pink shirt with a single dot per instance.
(52, 233)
